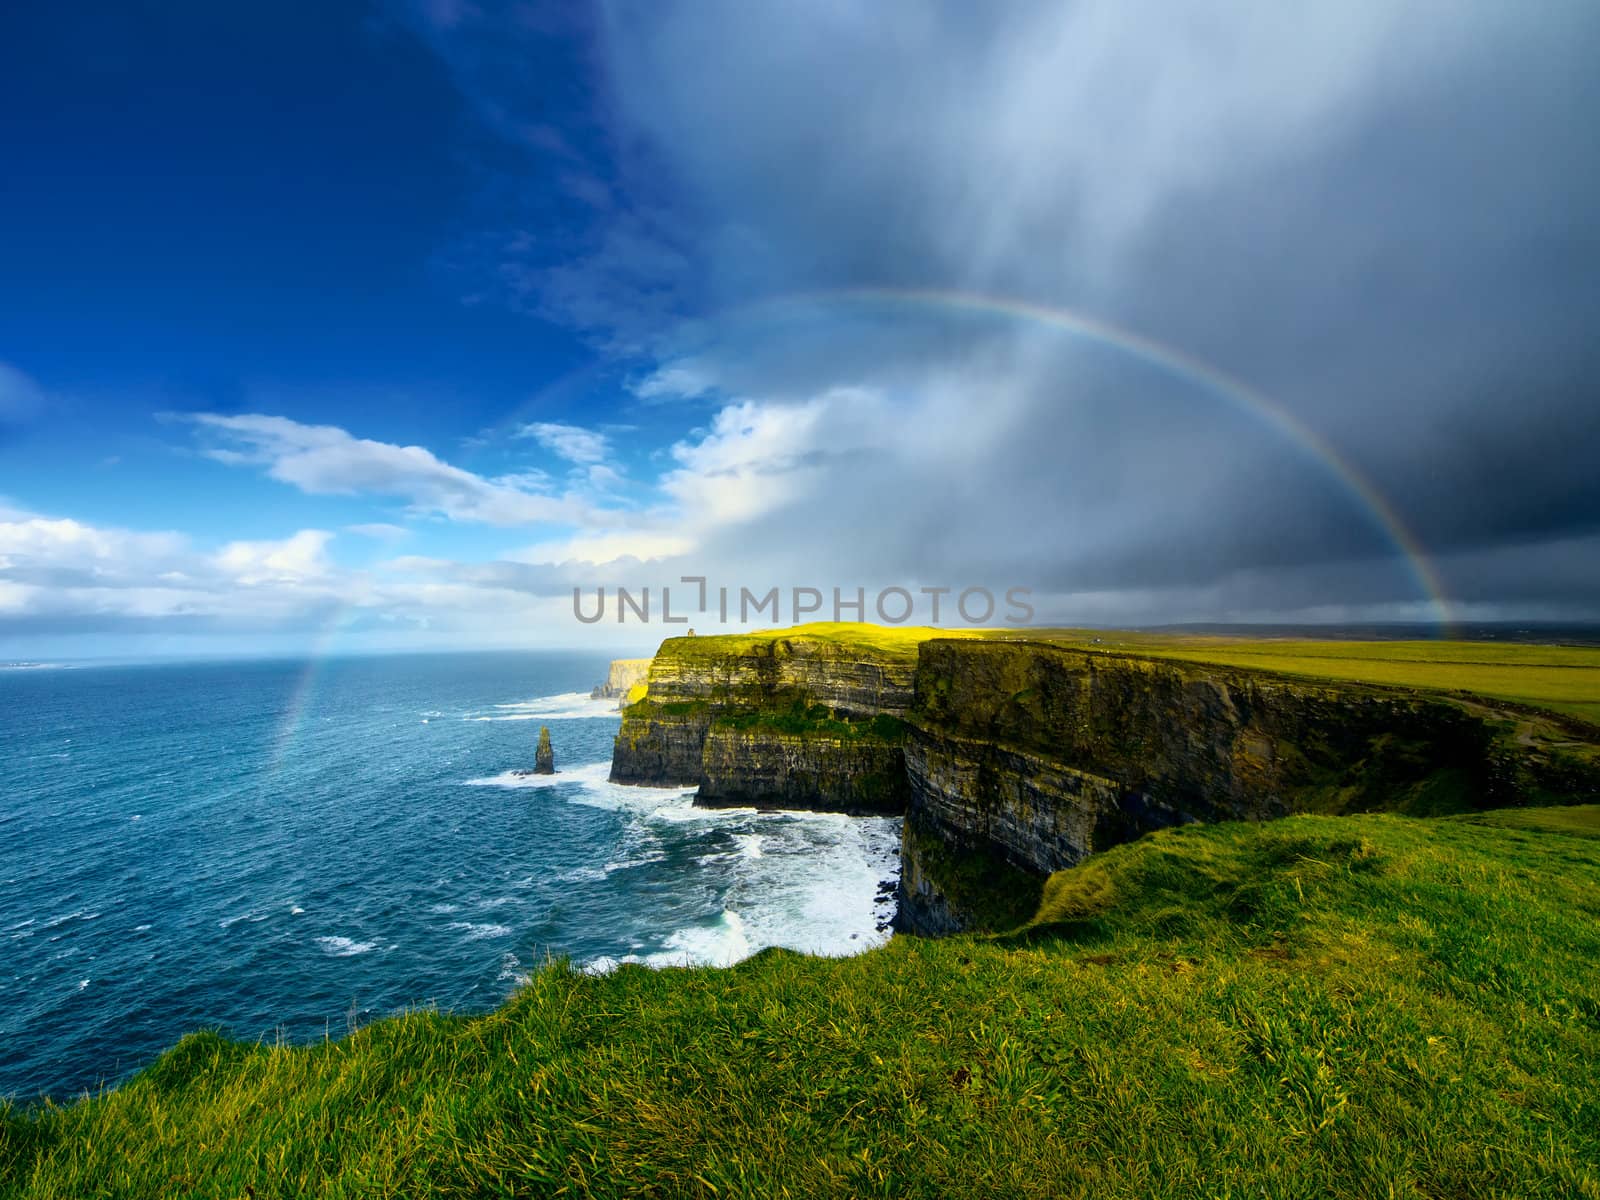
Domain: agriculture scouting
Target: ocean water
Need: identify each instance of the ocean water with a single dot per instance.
(281, 849)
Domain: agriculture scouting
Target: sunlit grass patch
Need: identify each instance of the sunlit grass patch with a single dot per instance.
(1329, 1006)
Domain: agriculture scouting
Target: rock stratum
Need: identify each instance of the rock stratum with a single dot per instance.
(1011, 759)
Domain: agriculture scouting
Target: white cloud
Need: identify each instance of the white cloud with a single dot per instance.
(294, 559)
(572, 442)
(379, 531)
(327, 460)
(604, 548)
(45, 542)
(760, 456)
(75, 577)
(681, 379)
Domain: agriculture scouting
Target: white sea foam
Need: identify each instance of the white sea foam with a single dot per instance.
(477, 933)
(590, 784)
(806, 881)
(566, 704)
(720, 944)
(76, 914)
(343, 947)
(685, 810)
(626, 864)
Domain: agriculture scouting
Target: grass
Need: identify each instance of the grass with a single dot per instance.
(1321, 1006)
(1561, 679)
(813, 720)
(896, 643)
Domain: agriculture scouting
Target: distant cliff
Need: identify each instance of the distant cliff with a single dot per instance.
(625, 674)
(1014, 758)
(776, 722)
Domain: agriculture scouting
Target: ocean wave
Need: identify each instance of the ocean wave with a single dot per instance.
(628, 864)
(685, 810)
(811, 882)
(590, 784)
(511, 970)
(343, 947)
(76, 914)
(564, 705)
(478, 932)
(252, 917)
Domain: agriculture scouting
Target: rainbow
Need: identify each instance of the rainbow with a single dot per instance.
(1234, 392)
(305, 686)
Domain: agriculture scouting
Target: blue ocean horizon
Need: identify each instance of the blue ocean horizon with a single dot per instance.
(286, 849)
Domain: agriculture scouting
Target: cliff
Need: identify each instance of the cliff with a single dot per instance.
(778, 722)
(625, 675)
(1015, 758)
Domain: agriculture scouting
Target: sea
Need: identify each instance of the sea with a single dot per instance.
(289, 850)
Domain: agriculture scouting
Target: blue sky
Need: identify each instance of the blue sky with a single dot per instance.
(374, 325)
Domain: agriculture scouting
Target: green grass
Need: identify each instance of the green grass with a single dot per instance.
(893, 642)
(1561, 679)
(814, 720)
(1321, 1006)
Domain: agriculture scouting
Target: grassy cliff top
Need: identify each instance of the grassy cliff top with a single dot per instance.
(897, 643)
(1320, 1006)
(1562, 679)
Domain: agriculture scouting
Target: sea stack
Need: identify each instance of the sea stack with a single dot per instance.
(544, 758)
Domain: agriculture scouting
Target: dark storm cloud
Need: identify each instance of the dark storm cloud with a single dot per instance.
(1381, 215)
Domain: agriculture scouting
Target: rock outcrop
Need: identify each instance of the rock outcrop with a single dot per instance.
(1012, 759)
(544, 757)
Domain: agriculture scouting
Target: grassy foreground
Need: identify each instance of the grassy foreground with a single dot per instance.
(1358, 1006)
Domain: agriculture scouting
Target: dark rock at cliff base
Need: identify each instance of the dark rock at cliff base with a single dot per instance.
(544, 758)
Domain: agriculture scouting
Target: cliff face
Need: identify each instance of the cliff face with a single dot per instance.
(763, 766)
(1036, 755)
(1052, 753)
(1011, 760)
(784, 723)
(625, 674)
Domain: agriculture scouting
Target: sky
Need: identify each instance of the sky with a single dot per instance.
(370, 326)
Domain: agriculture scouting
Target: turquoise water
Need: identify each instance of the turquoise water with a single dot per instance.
(281, 849)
